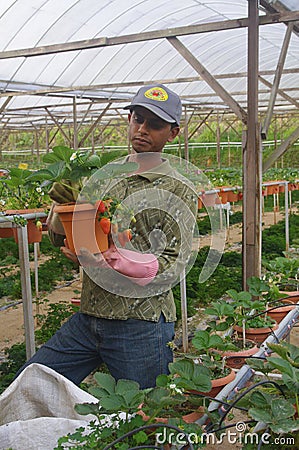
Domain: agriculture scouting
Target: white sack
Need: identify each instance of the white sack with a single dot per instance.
(38, 408)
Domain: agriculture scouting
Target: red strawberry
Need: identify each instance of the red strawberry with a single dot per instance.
(100, 205)
(105, 225)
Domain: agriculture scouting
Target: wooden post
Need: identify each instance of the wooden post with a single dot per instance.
(252, 174)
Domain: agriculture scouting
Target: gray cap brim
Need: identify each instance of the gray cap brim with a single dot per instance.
(154, 109)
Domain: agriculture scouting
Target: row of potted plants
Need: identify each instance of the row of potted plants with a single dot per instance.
(69, 170)
(128, 417)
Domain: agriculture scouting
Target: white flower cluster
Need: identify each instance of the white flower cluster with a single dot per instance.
(175, 389)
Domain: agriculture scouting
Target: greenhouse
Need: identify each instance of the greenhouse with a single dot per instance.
(201, 243)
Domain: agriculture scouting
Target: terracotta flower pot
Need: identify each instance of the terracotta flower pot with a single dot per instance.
(236, 359)
(6, 232)
(256, 334)
(218, 384)
(279, 313)
(209, 199)
(224, 196)
(293, 296)
(34, 233)
(76, 301)
(188, 418)
(233, 196)
(82, 229)
(273, 189)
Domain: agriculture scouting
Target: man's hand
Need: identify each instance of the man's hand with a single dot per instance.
(68, 253)
(103, 259)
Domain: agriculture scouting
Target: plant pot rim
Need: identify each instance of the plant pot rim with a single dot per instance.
(73, 207)
(257, 330)
(241, 351)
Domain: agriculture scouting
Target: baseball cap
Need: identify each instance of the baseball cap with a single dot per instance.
(160, 100)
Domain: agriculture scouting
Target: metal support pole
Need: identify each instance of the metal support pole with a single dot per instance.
(36, 253)
(186, 143)
(286, 208)
(75, 124)
(26, 291)
(184, 311)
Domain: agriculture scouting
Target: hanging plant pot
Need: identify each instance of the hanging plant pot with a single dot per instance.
(256, 334)
(273, 189)
(224, 196)
(293, 296)
(209, 199)
(233, 196)
(34, 233)
(75, 301)
(82, 228)
(6, 232)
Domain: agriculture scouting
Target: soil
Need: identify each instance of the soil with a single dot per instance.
(11, 319)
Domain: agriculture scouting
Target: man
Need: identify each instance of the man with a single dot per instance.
(127, 310)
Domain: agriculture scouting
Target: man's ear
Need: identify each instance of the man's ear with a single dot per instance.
(129, 117)
(173, 133)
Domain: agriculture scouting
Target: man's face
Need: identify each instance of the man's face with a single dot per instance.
(149, 133)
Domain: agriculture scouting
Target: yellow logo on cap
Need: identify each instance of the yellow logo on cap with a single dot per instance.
(156, 93)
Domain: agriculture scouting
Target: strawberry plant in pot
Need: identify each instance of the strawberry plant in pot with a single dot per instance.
(250, 311)
(121, 423)
(23, 196)
(282, 273)
(275, 405)
(67, 176)
(233, 348)
(204, 352)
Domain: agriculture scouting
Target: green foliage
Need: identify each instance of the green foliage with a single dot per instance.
(56, 268)
(228, 274)
(276, 412)
(255, 299)
(273, 242)
(187, 375)
(51, 321)
(21, 192)
(71, 169)
(123, 399)
(15, 357)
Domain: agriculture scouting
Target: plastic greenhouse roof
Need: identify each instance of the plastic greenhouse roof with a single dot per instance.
(38, 84)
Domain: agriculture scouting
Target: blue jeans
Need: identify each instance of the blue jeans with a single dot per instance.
(131, 349)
